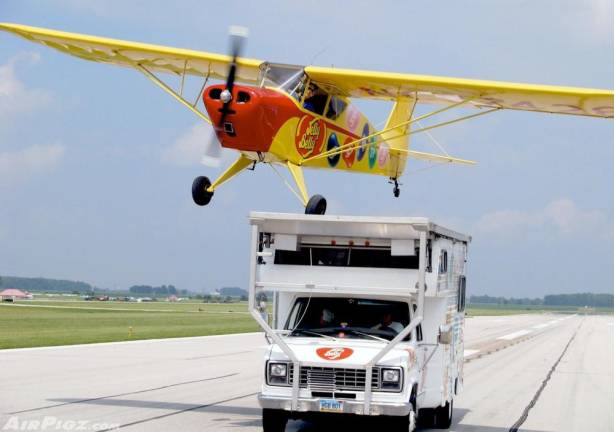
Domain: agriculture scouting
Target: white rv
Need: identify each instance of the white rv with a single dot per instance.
(367, 317)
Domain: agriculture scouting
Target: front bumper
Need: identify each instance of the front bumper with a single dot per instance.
(349, 406)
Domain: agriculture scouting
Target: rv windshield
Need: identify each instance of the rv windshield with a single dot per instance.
(347, 318)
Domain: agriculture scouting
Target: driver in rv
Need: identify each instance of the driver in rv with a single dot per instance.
(326, 318)
(388, 324)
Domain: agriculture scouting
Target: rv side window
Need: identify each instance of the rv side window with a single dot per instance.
(462, 285)
(346, 257)
(296, 312)
(443, 262)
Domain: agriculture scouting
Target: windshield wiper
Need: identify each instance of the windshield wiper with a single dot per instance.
(366, 334)
(311, 333)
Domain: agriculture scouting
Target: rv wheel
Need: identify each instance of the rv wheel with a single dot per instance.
(443, 415)
(274, 420)
(200, 195)
(316, 205)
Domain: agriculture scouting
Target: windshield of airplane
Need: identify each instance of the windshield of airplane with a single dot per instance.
(286, 77)
(347, 318)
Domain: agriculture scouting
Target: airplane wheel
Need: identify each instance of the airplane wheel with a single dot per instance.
(199, 191)
(316, 205)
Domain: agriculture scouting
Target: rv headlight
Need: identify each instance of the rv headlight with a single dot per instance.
(391, 375)
(277, 374)
(278, 370)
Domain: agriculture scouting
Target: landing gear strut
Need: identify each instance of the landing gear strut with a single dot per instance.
(200, 194)
(316, 205)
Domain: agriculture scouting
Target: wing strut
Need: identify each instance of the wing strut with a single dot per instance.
(173, 93)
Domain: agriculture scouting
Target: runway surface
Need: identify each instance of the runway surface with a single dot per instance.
(530, 372)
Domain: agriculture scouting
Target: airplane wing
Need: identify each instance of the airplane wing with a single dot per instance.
(155, 58)
(467, 92)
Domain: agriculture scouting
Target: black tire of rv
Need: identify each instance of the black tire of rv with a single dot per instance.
(443, 415)
(274, 420)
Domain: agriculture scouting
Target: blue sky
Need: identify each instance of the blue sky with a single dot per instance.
(96, 163)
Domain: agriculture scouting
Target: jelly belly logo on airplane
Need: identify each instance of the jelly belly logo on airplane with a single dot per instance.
(310, 135)
(338, 353)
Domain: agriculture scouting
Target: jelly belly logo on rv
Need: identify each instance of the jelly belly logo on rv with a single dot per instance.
(338, 353)
(310, 135)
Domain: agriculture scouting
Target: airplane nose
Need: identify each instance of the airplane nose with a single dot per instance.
(253, 117)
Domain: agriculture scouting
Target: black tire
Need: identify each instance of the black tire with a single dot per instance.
(443, 415)
(316, 205)
(200, 195)
(274, 420)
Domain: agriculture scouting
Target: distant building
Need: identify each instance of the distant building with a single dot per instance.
(11, 294)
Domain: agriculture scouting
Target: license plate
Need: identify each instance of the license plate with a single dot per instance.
(331, 405)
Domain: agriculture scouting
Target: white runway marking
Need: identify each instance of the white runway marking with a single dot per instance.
(469, 352)
(515, 335)
(544, 325)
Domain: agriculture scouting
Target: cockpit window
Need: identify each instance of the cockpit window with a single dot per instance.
(335, 107)
(295, 85)
(278, 75)
(315, 99)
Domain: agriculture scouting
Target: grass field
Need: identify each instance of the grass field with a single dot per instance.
(72, 321)
(46, 323)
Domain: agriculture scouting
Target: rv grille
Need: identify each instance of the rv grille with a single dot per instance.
(334, 379)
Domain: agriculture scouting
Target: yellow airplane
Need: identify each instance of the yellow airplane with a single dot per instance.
(301, 116)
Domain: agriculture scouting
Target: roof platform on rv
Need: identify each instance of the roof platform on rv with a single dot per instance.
(351, 226)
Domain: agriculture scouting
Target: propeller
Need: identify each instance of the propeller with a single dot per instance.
(213, 151)
(238, 36)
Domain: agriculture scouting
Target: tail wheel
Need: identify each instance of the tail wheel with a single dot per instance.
(316, 205)
(200, 194)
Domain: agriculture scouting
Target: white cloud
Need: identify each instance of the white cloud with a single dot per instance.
(562, 215)
(21, 165)
(601, 17)
(191, 147)
(15, 98)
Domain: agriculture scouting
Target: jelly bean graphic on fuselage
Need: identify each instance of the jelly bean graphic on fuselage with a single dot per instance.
(382, 155)
(372, 153)
(333, 143)
(363, 144)
(350, 154)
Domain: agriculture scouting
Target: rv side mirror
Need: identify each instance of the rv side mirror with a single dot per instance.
(445, 335)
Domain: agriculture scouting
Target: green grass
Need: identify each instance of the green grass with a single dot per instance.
(46, 326)
(188, 306)
(71, 321)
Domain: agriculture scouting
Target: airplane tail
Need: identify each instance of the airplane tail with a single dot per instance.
(398, 138)
(398, 141)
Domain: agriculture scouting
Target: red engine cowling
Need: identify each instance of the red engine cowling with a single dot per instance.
(254, 117)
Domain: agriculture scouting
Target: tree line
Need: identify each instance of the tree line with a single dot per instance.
(156, 290)
(44, 284)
